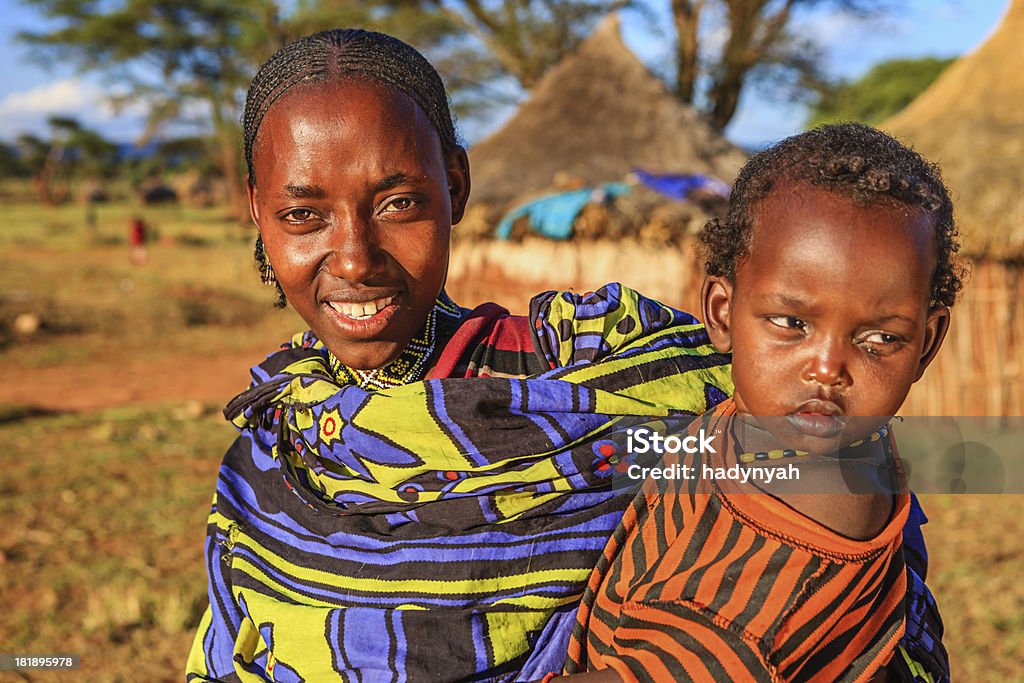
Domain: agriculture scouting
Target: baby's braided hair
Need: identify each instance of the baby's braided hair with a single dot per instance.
(851, 160)
(339, 54)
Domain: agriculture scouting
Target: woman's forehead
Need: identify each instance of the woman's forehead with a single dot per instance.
(344, 135)
(358, 110)
(350, 96)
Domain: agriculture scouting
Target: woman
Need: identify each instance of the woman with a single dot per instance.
(370, 524)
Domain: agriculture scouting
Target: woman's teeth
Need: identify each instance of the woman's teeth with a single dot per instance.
(361, 311)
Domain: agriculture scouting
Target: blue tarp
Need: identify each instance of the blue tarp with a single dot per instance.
(679, 186)
(554, 214)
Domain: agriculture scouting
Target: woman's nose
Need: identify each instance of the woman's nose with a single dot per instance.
(356, 254)
(828, 364)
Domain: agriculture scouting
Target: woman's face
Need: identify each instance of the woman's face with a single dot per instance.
(355, 200)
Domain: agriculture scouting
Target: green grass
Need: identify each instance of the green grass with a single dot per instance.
(976, 555)
(102, 519)
(64, 227)
(198, 291)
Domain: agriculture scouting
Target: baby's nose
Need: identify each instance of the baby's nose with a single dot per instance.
(827, 364)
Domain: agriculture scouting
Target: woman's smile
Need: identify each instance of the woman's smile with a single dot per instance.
(361, 311)
(365, 318)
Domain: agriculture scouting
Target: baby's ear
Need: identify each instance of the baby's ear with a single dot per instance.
(935, 331)
(716, 300)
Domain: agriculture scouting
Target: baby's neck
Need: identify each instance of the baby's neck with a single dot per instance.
(849, 490)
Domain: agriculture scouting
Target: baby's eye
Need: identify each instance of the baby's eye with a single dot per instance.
(788, 322)
(881, 343)
(881, 338)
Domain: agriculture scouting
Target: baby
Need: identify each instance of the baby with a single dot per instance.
(830, 282)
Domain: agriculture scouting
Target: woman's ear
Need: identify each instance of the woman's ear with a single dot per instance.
(250, 190)
(716, 299)
(936, 327)
(458, 182)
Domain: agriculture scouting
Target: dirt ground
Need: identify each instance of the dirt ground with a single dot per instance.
(173, 378)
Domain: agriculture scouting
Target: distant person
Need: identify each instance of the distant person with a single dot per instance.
(137, 240)
(90, 215)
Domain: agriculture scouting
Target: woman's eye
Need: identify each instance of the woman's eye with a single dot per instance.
(298, 216)
(399, 205)
(788, 322)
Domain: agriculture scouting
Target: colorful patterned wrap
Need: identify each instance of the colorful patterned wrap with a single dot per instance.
(444, 529)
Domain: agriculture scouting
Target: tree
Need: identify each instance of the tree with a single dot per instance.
(759, 45)
(526, 37)
(172, 55)
(167, 54)
(71, 147)
(11, 165)
(884, 90)
(34, 153)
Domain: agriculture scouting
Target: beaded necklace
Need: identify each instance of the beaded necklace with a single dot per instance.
(411, 365)
(780, 453)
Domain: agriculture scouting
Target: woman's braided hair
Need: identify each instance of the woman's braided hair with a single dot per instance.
(851, 160)
(339, 54)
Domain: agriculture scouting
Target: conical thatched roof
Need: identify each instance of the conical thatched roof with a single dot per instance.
(971, 122)
(595, 116)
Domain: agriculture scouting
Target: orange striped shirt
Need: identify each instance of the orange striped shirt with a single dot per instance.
(710, 584)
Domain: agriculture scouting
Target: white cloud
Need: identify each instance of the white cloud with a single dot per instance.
(66, 95)
(26, 111)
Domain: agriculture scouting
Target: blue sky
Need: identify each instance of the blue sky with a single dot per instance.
(30, 92)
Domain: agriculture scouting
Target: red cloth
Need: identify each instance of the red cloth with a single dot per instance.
(489, 341)
(138, 234)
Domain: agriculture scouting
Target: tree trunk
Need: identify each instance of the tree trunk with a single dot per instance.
(686, 16)
(738, 57)
(228, 141)
(234, 183)
(43, 179)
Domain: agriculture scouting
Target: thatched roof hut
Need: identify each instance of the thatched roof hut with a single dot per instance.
(970, 121)
(594, 117)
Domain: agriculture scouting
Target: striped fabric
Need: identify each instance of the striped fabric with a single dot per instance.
(445, 529)
(711, 583)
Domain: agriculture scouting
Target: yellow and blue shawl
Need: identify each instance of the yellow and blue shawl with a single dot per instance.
(440, 530)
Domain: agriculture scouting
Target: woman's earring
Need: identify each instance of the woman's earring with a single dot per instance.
(267, 273)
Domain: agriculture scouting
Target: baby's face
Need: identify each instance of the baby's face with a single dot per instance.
(828, 317)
